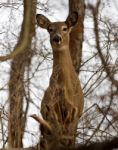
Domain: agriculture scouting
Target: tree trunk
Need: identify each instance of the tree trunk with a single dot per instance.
(76, 35)
(17, 118)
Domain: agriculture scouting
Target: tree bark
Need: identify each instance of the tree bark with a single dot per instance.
(76, 35)
(17, 118)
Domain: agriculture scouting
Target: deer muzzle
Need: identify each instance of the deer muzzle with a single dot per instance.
(57, 39)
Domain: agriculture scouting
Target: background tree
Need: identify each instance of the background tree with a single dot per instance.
(19, 65)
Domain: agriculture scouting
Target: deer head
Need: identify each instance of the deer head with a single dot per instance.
(59, 31)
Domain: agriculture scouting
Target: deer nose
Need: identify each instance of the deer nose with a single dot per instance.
(57, 39)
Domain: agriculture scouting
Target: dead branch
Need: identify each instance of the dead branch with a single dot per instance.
(42, 122)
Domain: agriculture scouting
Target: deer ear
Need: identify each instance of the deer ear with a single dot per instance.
(42, 21)
(72, 19)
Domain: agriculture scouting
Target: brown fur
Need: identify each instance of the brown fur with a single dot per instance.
(63, 101)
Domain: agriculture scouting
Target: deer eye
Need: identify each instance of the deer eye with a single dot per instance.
(64, 29)
(50, 29)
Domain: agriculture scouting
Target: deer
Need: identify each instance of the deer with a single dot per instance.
(63, 101)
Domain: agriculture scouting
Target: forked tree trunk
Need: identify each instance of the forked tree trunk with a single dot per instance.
(17, 117)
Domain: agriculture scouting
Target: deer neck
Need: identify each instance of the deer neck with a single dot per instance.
(63, 69)
(62, 58)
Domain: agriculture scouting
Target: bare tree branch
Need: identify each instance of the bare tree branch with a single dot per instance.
(24, 38)
(95, 11)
